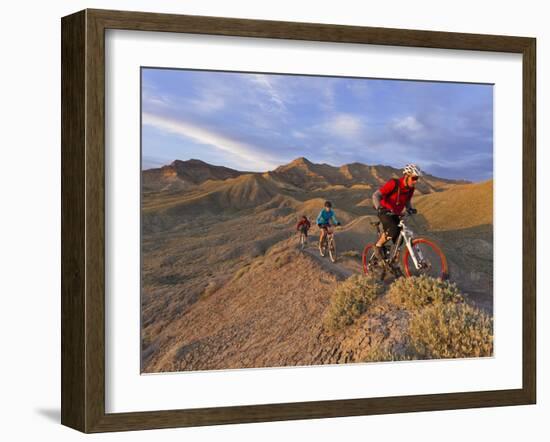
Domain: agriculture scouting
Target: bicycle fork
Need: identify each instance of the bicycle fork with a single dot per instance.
(416, 255)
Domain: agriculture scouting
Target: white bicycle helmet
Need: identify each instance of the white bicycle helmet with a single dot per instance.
(412, 169)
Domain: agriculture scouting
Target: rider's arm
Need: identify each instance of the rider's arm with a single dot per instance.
(408, 202)
(376, 198)
(320, 219)
(383, 191)
(334, 220)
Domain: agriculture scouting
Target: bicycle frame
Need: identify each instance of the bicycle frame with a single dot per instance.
(329, 234)
(406, 236)
(329, 231)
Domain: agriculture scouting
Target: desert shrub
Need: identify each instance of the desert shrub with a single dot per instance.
(383, 352)
(451, 331)
(257, 263)
(350, 300)
(419, 291)
(241, 272)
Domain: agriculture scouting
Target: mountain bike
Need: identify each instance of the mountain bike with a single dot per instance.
(328, 244)
(303, 239)
(409, 256)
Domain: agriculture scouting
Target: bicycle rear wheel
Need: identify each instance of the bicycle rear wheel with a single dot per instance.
(371, 263)
(432, 262)
(302, 241)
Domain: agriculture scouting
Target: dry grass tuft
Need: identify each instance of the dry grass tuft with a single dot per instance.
(350, 300)
(439, 325)
(420, 291)
(241, 272)
(451, 331)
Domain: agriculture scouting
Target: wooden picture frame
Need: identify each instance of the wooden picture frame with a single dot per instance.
(83, 220)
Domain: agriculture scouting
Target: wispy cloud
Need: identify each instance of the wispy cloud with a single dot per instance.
(344, 126)
(208, 102)
(151, 97)
(251, 156)
(267, 86)
(298, 134)
(408, 123)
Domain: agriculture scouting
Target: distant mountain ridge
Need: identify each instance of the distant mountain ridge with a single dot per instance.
(299, 173)
(181, 175)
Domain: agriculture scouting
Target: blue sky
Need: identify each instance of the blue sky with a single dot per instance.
(257, 122)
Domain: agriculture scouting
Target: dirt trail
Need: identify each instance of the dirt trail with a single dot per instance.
(338, 268)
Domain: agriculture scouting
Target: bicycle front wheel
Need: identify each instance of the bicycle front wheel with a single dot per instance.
(323, 247)
(430, 260)
(332, 250)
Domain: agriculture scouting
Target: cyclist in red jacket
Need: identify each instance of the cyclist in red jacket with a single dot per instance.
(303, 225)
(390, 201)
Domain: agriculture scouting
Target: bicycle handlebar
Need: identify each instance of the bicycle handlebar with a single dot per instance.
(403, 215)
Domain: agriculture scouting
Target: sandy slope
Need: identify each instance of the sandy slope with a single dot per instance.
(461, 207)
(263, 318)
(260, 318)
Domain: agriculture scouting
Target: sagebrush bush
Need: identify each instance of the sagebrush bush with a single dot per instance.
(241, 272)
(451, 331)
(382, 352)
(419, 291)
(350, 300)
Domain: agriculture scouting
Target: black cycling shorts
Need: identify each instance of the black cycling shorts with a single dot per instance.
(390, 224)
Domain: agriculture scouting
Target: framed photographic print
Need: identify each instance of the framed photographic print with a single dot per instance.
(269, 220)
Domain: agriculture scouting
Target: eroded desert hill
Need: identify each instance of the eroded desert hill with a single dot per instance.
(194, 188)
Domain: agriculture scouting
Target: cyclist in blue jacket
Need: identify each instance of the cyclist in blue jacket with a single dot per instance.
(326, 215)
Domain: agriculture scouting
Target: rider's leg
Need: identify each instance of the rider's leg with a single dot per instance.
(382, 240)
(321, 237)
(378, 247)
(394, 230)
(385, 220)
